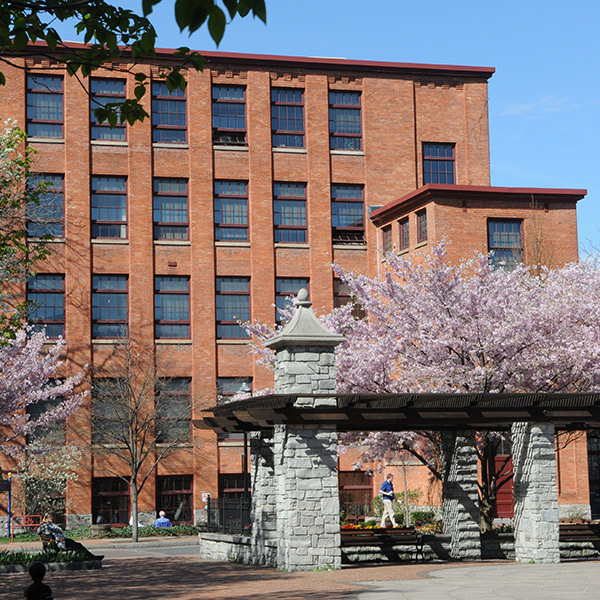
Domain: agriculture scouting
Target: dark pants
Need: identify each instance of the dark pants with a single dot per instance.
(77, 547)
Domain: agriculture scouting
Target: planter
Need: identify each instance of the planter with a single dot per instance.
(100, 530)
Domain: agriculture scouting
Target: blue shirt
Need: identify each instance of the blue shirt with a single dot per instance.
(387, 490)
(163, 522)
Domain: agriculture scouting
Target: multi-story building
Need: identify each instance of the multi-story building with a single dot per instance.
(234, 194)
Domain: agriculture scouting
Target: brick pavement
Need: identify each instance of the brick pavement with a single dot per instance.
(192, 578)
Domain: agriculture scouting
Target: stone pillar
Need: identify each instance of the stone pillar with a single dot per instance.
(305, 457)
(536, 497)
(460, 499)
(263, 515)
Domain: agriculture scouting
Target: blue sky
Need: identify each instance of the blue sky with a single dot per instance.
(544, 99)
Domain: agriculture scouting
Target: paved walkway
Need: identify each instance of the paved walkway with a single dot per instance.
(170, 569)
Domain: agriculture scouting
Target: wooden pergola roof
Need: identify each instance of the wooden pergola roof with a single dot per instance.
(402, 412)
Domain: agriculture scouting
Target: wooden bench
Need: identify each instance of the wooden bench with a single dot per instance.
(48, 542)
(579, 532)
(385, 539)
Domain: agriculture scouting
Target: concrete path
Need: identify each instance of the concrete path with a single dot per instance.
(565, 581)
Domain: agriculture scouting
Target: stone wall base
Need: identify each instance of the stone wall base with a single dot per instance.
(569, 511)
(235, 548)
(75, 520)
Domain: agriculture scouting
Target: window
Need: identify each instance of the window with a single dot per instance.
(110, 500)
(229, 115)
(284, 288)
(438, 163)
(104, 92)
(289, 212)
(170, 209)
(505, 243)
(45, 106)
(347, 214)
(231, 211)
(403, 226)
(109, 207)
(47, 434)
(109, 420)
(227, 387)
(174, 496)
(343, 296)
(356, 494)
(172, 307)
(173, 409)
(287, 118)
(344, 120)
(47, 296)
(421, 226)
(233, 305)
(109, 306)
(46, 217)
(168, 114)
(231, 485)
(386, 235)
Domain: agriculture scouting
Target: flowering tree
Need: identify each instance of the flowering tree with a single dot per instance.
(439, 327)
(27, 381)
(17, 198)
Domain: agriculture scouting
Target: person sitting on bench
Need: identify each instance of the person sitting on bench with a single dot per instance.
(55, 537)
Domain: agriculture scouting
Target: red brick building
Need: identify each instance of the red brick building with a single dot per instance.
(235, 194)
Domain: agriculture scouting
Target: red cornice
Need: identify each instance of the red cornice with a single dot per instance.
(432, 191)
(317, 62)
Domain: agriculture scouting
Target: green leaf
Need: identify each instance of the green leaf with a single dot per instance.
(184, 13)
(139, 91)
(148, 5)
(140, 77)
(2, 78)
(231, 6)
(216, 24)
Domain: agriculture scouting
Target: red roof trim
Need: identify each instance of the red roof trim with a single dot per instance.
(317, 61)
(432, 190)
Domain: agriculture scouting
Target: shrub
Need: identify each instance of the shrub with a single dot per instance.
(151, 531)
(20, 557)
(421, 517)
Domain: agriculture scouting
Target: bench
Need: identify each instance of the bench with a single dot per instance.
(385, 539)
(48, 542)
(579, 532)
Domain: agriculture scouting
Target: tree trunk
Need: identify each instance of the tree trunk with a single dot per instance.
(486, 512)
(134, 514)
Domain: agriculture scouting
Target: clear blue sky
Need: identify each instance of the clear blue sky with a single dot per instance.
(544, 100)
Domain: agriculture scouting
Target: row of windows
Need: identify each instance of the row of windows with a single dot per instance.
(170, 210)
(45, 116)
(505, 241)
(169, 121)
(110, 304)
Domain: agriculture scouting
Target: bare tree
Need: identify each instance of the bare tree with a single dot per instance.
(140, 415)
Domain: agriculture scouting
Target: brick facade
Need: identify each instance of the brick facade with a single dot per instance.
(402, 107)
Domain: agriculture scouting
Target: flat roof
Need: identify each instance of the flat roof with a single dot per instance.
(315, 62)
(406, 412)
(430, 191)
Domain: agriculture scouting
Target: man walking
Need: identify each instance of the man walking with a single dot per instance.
(388, 496)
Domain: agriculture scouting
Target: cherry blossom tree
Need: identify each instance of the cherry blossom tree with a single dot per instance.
(29, 380)
(433, 326)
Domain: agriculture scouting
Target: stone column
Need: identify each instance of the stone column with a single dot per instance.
(536, 497)
(460, 499)
(305, 457)
(263, 515)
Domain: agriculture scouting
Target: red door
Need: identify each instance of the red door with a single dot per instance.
(505, 500)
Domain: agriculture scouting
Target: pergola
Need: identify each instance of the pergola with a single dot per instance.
(295, 501)
(405, 412)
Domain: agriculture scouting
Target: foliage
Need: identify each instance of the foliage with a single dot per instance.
(150, 531)
(422, 517)
(16, 198)
(21, 557)
(432, 326)
(27, 378)
(44, 470)
(111, 32)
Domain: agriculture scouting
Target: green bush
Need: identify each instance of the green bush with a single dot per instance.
(421, 517)
(371, 523)
(21, 557)
(151, 531)
(399, 519)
